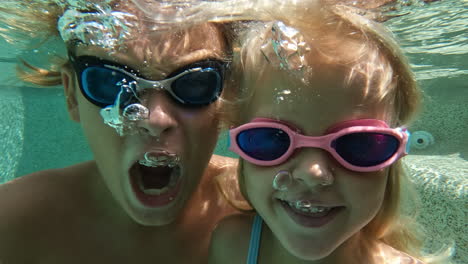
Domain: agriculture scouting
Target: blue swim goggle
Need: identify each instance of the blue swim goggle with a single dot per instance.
(195, 85)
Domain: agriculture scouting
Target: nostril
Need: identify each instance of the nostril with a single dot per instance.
(299, 179)
(161, 118)
(144, 131)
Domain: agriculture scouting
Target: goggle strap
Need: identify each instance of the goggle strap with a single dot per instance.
(408, 140)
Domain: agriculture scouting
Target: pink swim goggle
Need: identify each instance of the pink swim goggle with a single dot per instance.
(359, 145)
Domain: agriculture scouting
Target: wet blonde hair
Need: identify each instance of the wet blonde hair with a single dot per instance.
(37, 21)
(339, 35)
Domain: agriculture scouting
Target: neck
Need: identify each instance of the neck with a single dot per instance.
(353, 251)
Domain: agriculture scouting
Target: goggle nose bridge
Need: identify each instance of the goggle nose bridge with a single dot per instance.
(311, 142)
(139, 84)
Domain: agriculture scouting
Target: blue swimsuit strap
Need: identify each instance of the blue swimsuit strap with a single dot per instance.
(255, 236)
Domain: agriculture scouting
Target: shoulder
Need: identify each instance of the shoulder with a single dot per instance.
(391, 255)
(230, 239)
(32, 189)
(32, 204)
(234, 228)
(43, 188)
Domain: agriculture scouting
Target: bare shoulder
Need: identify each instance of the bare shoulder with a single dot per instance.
(31, 190)
(31, 204)
(230, 239)
(391, 255)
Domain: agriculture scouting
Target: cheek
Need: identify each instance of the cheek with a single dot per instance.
(366, 191)
(100, 137)
(201, 125)
(89, 114)
(257, 184)
(378, 184)
(197, 133)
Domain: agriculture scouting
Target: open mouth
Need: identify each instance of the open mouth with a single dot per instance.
(155, 185)
(309, 215)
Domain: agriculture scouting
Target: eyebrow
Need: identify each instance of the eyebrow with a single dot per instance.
(174, 63)
(198, 55)
(129, 70)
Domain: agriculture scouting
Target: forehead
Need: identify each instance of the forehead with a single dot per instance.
(157, 54)
(326, 99)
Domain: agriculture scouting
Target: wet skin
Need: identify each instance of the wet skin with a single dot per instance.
(358, 196)
(88, 213)
(350, 191)
(56, 216)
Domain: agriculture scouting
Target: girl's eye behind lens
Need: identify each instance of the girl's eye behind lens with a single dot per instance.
(264, 143)
(200, 87)
(366, 149)
(103, 85)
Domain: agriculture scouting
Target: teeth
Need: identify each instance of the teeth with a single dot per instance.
(155, 191)
(160, 159)
(306, 207)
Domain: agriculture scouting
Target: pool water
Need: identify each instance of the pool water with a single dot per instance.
(35, 128)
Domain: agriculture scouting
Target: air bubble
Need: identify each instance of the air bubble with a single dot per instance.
(136, 112)
(282, 181)
(279, 99)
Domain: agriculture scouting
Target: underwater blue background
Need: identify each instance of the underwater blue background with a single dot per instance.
(36, 133)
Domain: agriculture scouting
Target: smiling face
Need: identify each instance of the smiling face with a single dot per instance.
(154, 193)
(352, 200)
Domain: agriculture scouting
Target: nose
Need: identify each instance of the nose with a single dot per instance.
(161, 119)
(313, 168)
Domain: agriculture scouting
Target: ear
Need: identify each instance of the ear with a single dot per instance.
(69, 85)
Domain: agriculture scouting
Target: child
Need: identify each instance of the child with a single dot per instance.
(320, 129)
(148, 101)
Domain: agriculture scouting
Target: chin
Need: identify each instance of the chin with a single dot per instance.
(311, 256)
(155, 196)
(309, 251)
(161, 220)
(158, 217)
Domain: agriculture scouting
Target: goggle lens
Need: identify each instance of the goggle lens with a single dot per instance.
(366, 149)
(197, 84)
(359, 149)
(101, 84)
(198, 88)
(264, 143)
